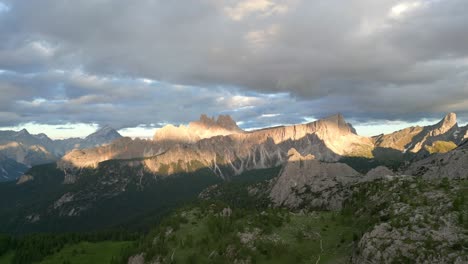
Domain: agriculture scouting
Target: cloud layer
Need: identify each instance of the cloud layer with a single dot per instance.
(264, 61)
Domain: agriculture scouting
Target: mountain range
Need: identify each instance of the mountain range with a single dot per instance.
(228, 151)
(86, 179)
(21, 150)
(401, 191)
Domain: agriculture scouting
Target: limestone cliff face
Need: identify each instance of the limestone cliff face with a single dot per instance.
(335, 133)
(307, 182)
(204, 128)
(327, 139)
(415, 139)
(124, 148)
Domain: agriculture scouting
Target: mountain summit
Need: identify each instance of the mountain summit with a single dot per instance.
(204, 128)
(417, 139)
(447, 123)
(223, 121)
(105, 134)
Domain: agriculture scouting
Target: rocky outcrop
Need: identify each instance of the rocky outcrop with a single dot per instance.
(137, 259)
(452, 165)
(416, 222)
(307, 182)
(24, 178)
(378, 173)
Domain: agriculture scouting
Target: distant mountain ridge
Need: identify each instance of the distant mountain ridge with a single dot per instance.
(231, 154)
(419, 140)
(220, 144)
(25, 150)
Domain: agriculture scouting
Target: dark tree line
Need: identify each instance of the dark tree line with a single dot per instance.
(35, 247)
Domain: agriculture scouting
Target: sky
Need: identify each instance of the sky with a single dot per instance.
(69, 67)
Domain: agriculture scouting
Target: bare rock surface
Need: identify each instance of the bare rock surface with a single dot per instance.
(24, 178)
(377, 173)
(453, 165)
(418, 221)
(137, 259)
(305, 181)
(204, 128)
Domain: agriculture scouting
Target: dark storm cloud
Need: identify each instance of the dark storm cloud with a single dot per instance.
(371, 60)
(74, 97)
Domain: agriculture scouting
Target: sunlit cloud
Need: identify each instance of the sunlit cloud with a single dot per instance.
(403, 8)
(245, 8)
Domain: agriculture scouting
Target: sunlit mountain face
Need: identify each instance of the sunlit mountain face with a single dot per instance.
(233, 131)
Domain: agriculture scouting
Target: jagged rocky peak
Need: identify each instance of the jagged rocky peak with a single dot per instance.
(450, 118)
(223, 121)
(204, 119)
(294, 155)
(23, 132)
(227, 122)
(105, 131)
(447, 123)
(337, 120)
(103, 135)
(334, 124)
(42, 136)
(310, 182)
(205, 127)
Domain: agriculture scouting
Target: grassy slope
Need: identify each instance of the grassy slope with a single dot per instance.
(202, 236)
(86, 252)
(441, 147)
